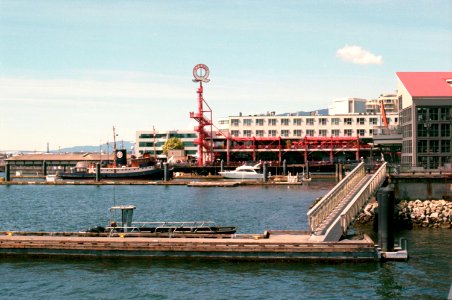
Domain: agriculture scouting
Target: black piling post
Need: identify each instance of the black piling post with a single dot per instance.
(265, 170)
(44, 168)
(385, 197)
(284, 167)
(7, 172)
(98, 172)
(222, 166)
(165, 172)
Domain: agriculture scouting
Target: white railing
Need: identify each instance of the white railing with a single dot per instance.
(361, 198)
(326, 205)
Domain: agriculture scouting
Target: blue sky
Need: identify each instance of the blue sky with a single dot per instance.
(70, 70)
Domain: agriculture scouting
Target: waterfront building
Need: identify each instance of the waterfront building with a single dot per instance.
(345, 133)
(347, 106)
(390, 101)
(152, 142)
(425, 100)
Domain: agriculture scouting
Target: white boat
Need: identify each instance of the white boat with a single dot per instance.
(243, 172)
(51, 178)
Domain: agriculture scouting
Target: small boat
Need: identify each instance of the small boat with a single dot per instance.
(121, 221)
(243, 172)
(52, 178)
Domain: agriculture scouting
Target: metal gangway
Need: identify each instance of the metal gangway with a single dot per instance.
(330, 217)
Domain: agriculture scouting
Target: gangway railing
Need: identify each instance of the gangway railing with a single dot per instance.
(326, 205)
(361, 198)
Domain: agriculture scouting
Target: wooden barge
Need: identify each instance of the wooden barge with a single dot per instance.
(271, 246)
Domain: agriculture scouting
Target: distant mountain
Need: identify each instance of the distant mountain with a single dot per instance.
(105, 148)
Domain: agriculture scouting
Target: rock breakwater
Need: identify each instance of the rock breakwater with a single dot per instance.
(417, 213)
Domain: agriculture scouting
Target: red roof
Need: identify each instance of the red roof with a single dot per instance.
(427, 84)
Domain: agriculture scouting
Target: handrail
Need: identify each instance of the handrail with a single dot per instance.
(355, 205)
(324, 207)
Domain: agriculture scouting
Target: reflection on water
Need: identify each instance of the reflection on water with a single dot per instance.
(254, 209)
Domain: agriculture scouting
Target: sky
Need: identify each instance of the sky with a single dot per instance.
(71, 70)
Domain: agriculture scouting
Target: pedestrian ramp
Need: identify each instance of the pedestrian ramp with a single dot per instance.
(330, 217)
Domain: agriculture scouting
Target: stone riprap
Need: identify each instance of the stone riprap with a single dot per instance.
(417, 213)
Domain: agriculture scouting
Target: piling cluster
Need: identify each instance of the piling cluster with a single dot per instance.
(417, 213)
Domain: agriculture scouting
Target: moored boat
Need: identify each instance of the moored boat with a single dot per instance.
(136, 168)
(121, 220)
(243, 172)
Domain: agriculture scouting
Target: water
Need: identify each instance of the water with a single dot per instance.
(253, 209)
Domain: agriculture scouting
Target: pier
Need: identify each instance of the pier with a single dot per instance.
(271, 246)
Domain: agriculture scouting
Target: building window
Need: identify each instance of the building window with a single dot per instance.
(271, 122)
(297, 121)
(322, 121)
(310, 132)
(260, 133)
(360, 121)
(371, 132)
(348, 121)
(444, 114)
(335, 132)
(445, 146)
(422, 146)
(285, 133)
(247, 133)
(235, 122)
(246, 122)
(272, 132)
(373, 121)
(335, 121)
(285, 122)
(361, 132)
(260, 122)
(310, 121)
(348, 132)
(322, 132)
(445, 130)
(297, 132)
(235, 132)
(434, 130)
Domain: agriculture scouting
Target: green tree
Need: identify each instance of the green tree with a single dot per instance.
(173, 143)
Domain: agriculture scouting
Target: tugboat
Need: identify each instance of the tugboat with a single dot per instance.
(137, 168)
(121, 221)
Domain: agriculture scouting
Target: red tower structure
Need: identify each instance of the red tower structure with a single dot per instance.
(204, 128)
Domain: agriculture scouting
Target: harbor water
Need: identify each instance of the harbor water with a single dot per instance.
(253, 209)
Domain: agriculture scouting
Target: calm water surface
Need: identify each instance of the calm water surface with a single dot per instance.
(253, 209)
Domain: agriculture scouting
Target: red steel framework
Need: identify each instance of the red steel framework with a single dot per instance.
(204, 128)
(307, 145)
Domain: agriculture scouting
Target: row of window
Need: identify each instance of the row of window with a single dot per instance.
(167, 136)
(299, 133)
(309, 121)
(433, 146)
(160, 144)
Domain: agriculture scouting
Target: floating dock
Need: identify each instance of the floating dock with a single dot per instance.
(271, 246)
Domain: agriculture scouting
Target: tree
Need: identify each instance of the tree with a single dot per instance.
(173, 143)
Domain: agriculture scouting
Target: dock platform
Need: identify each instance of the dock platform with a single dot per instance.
(271, 246)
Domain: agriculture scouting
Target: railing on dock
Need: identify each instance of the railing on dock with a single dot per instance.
(326, 205)
(361, 198)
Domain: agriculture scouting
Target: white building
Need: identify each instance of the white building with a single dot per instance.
(342, 106)
(149, 141)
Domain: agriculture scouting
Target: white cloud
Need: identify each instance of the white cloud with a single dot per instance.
(358, 55)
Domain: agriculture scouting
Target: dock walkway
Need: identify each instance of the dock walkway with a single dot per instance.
(284, 247)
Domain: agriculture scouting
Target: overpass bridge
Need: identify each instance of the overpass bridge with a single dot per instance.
(330, 217)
